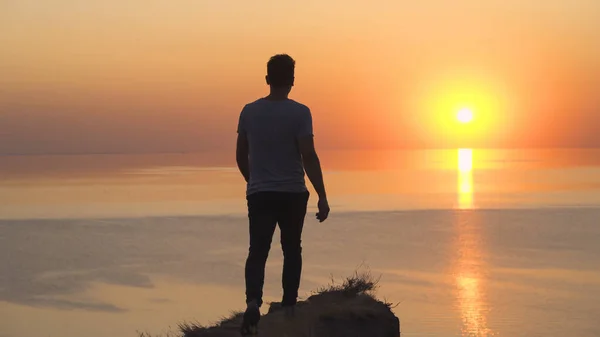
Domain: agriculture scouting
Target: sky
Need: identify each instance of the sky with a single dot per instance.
(133, 76)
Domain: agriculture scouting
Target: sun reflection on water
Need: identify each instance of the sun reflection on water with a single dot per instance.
(472, 305)
(469, 272)
(465, 178)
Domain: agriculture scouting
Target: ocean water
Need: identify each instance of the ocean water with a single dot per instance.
(468, 242)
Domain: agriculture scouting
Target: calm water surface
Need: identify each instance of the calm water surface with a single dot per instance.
(470, 242)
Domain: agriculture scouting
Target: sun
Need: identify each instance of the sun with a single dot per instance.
(464, 115)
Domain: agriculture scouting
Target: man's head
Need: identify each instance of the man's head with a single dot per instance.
(280, 71)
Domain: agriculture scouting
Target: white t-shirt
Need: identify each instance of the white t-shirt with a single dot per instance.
(273, 129)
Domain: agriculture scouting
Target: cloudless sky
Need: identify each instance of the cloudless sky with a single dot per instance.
(161, 76)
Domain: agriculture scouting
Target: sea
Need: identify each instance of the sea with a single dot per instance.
(464, 242)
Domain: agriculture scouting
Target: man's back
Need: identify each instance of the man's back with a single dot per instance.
(272, 128)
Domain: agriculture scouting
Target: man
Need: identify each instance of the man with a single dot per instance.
(274, 149)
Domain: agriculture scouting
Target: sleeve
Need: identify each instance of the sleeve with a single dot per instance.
(241, 122)
(305, 128)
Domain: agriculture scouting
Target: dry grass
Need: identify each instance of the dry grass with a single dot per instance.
(166, 334)
(192, 329)
(357, 284)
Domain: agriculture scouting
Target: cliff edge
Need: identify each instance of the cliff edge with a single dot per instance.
(347, 310)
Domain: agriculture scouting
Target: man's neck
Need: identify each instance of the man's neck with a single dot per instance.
(278, 94)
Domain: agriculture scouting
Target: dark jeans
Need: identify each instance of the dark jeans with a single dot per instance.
(265, 211)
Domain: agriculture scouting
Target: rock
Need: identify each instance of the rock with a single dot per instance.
(349, 310)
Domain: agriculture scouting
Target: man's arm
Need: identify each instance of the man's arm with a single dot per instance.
(241, 155)
(312, 164)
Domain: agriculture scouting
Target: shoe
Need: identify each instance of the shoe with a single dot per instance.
(250, 320)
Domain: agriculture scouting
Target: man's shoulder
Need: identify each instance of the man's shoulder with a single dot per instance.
(253, 104)
(299, 105)
(290, 104)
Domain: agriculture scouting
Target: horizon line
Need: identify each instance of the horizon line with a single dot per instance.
(323, 149)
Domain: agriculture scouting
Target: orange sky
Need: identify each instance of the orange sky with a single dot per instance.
(153, 76)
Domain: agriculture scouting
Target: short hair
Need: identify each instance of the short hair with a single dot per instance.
(280, 70)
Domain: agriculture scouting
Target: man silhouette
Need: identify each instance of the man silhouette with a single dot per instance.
(274, 149)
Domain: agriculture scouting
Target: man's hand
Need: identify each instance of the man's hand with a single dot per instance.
(323, 213)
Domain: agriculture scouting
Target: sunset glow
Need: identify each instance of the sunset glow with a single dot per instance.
(150, 151)
(171, 77)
